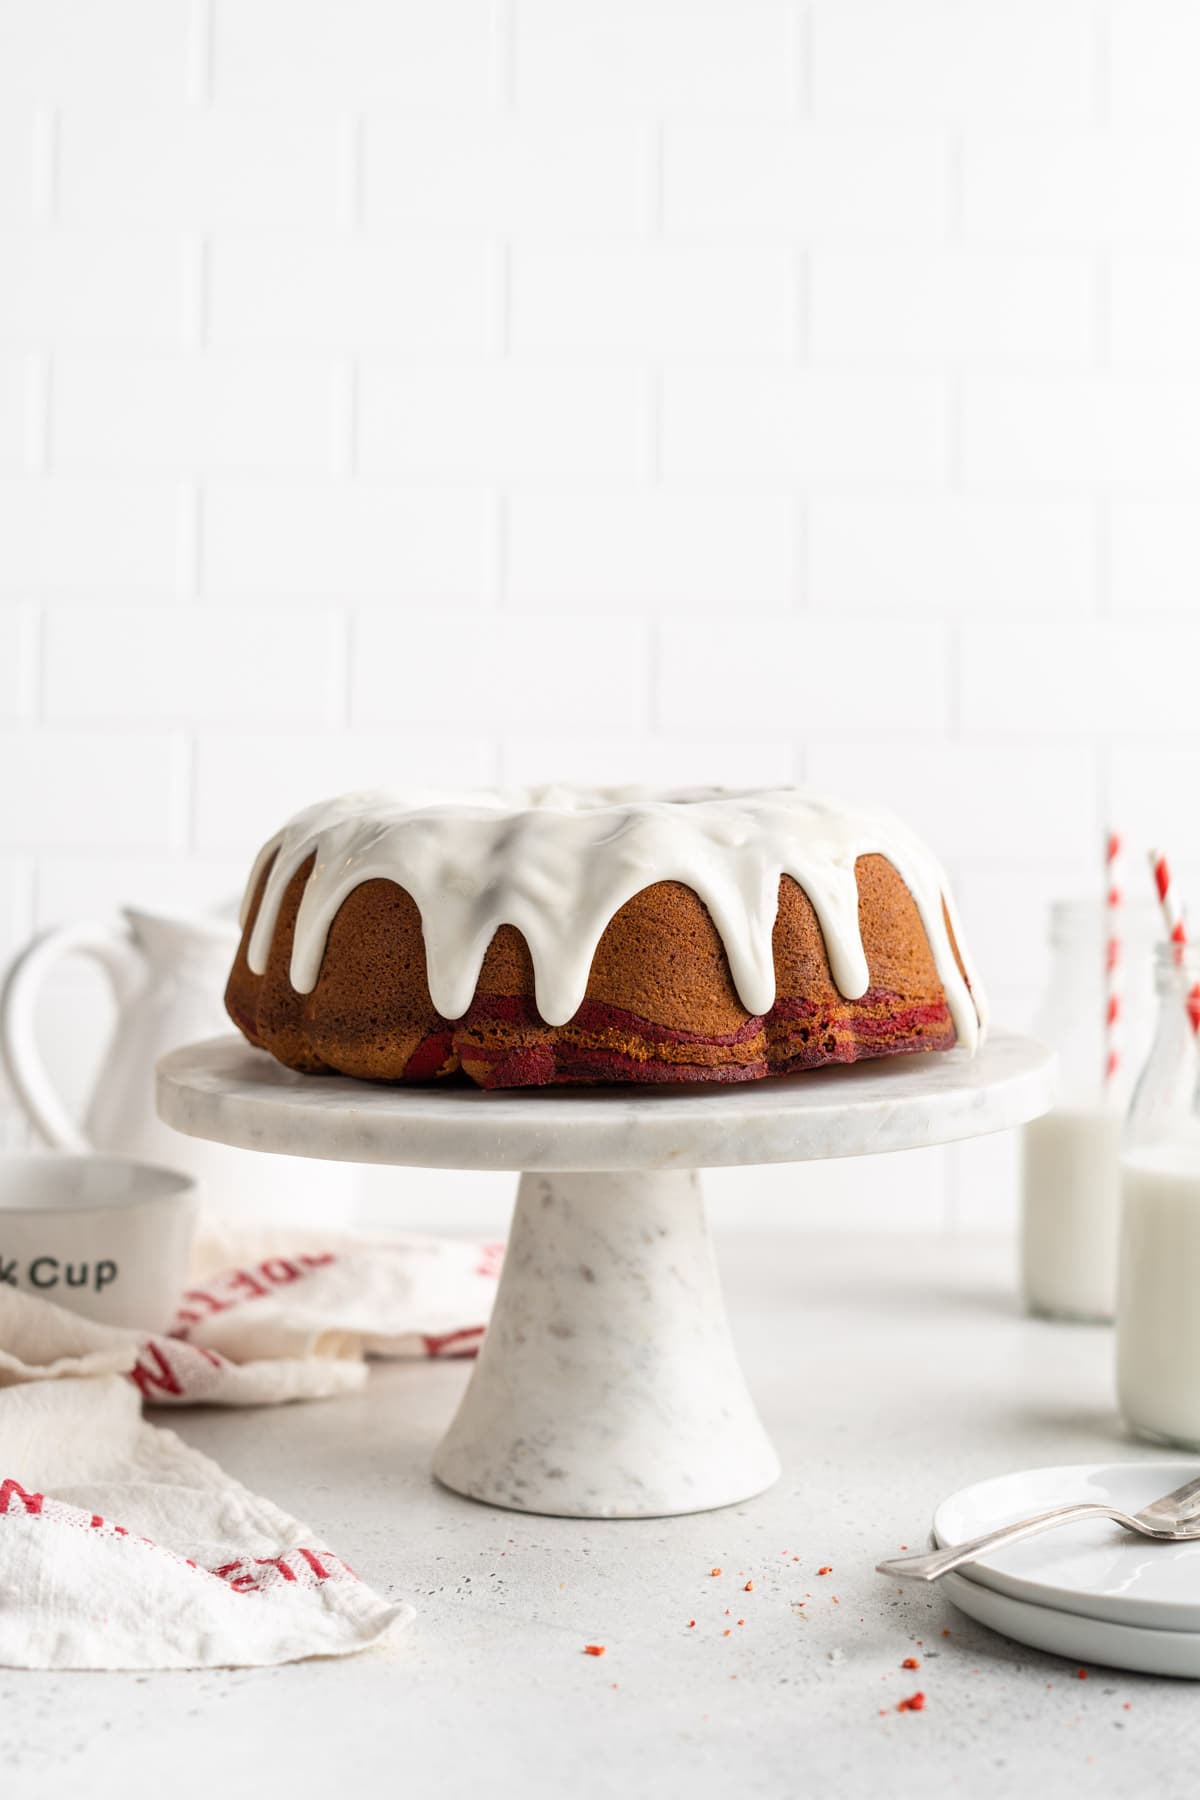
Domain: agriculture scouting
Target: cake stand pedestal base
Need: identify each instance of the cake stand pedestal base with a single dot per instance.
(607, 1386)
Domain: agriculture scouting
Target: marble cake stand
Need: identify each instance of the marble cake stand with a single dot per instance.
(607, 1385)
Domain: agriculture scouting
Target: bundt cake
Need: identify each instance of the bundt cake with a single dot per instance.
(564, 935)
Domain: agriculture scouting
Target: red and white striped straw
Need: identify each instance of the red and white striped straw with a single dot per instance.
(1114, 861)
(1168, 896)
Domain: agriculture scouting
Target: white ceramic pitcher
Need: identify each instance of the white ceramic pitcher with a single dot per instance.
(167, 976)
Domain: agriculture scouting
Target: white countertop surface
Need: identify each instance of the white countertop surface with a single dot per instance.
(888, 1370)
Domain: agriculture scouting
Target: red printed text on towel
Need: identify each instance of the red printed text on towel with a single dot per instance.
(298, 1565)
(236, 1286)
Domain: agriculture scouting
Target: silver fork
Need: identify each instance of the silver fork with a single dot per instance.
(1174, 1517)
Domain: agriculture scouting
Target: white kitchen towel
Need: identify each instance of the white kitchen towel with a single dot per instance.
(120, 1547)
(275, 1325)
(289, 1296)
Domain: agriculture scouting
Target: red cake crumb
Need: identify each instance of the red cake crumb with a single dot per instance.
(714, 1571)
(911, 1662)
(594, 1649)
(825, 1569)
(1081, 1674)
(691, 1624)
(749, 1588)
(914, 1703)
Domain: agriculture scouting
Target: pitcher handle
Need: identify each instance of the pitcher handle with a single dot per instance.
(108, 943)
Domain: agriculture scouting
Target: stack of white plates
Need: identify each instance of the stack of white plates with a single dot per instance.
(1093, 1592)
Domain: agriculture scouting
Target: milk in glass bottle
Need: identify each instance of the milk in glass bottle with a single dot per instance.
(1158, 1307)
(1070, 1185)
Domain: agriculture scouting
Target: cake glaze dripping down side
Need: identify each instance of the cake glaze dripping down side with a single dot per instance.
(557, 863)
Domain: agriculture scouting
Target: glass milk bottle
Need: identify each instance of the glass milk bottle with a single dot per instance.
(1070, 1184)
(1158, 1306)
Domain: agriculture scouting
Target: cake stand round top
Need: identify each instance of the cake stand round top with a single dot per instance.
(226, 1090)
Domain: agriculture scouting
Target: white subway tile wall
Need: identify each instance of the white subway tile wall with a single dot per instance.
(745, 390)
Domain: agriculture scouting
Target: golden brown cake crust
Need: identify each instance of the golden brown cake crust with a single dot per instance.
(660, 1003)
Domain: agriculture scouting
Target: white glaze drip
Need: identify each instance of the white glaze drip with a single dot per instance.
(558, 862)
